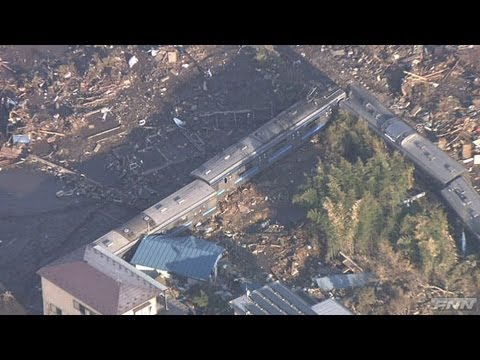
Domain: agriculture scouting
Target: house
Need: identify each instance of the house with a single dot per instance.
(187, 256)
(276, 299)
(92, 281)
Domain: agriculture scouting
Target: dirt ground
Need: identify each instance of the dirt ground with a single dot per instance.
(103, 116)
(68, 98)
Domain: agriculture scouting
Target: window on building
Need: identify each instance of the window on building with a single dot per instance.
(82, 309)
(55, 310)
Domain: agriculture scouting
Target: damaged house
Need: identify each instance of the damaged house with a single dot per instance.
(188, 257)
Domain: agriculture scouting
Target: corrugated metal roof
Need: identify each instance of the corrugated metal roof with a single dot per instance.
(101, 280)
(342, 281)
(272, 299)
(330, 307)
(188, 256)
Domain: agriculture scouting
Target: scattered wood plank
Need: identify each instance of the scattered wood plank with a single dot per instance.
(103, 132)
(51, 132)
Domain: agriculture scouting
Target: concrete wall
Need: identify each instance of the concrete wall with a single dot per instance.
(53, 295)
(147, 308)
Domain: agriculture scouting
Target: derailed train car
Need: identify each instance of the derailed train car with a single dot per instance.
(431, 160)
(178, 210)
(447, 174)
(292, 127)
(226, 171)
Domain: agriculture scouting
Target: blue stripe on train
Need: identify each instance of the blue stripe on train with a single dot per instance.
(248, 174)
(220, 192)
(280, 152)
(313, 131)
(209, 211)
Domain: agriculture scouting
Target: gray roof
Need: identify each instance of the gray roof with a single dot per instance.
(330, 307)
(241, 153)
(465, 201)
(272, 299)
(180, 202)
(367, 106)
(397, 128)
(235, 155)
(161, 215)
(188, 256)
(343, 281)
(431, 159)
(101, 280)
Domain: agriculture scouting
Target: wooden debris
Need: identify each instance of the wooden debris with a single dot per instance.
(51, 132)
(103, 132)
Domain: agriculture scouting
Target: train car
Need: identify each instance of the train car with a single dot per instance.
(366, 106)
(432, 160)
(428, 158)
(269, 143)
(176, 212)
(465, 201)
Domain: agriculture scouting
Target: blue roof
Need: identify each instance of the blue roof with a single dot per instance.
(188, 256)
(343, 281)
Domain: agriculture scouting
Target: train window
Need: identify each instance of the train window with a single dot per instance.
(225, 180)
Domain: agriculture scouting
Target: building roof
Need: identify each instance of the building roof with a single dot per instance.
(188, 256)
(342, 281)
(272, 299)
(101, 280)
(330, 307)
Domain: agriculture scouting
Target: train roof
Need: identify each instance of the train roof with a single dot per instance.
(240, 153)
(180, 202)
(160, 214)
(431, 159)
(217, 166)
(361, 95)
(397, 128)
(113, 242)
(465, 201)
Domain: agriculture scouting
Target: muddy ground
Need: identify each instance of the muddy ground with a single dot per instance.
(146, 159)
(96, 111)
